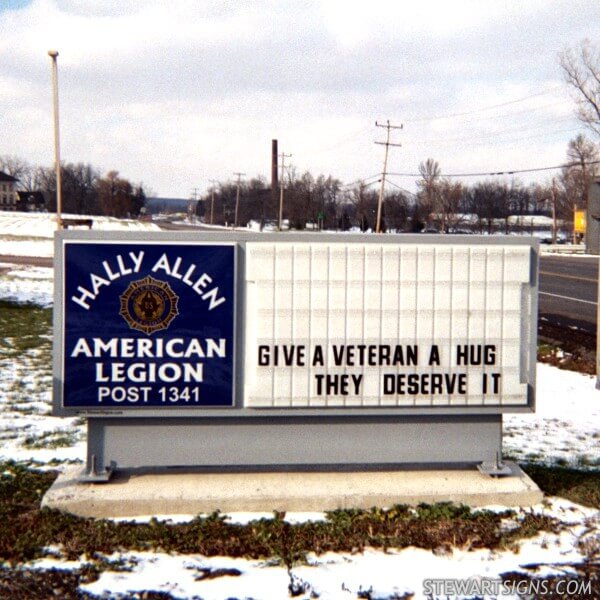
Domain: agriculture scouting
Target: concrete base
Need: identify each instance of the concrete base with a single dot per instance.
(140, 494)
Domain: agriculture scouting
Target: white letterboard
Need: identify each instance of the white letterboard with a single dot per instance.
(390, 325)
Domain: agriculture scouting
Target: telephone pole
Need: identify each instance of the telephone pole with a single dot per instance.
(283, 156)
(193, 204)
(237, 198)
(387, 145)
(553, 198)
(212, 199)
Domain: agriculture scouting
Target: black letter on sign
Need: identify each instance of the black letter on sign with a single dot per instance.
(263, 356)
(434, 355)
(318, 356)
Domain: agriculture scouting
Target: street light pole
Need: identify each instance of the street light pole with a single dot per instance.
(237, 198)
(53, 54)
(553, 196)
(212, 199)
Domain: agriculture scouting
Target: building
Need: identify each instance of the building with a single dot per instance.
(31, 201)
(592, 231)
(8, 193)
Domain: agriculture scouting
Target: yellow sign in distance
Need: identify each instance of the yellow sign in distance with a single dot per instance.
(579, 221)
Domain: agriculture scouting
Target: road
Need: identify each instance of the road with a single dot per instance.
(568, 291)
(34, 261)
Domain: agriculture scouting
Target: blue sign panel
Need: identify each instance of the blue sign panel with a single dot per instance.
(148, 325)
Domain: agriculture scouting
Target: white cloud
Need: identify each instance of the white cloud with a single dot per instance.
(178, 93)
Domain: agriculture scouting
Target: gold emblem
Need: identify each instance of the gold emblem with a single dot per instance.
(149, 305)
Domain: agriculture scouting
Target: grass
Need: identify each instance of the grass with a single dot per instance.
(582, 487)
(27, 530)
(25, 328)
(49, 440)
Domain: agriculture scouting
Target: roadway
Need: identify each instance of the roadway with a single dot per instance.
(569, 291)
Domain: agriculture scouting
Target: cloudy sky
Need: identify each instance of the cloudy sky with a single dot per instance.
(174, 94)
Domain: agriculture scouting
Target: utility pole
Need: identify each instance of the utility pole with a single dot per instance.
(283, 156)
(212, 199)
(387, 145)
(266, 210)
(193, 204)
(553, 197)
(237, 198)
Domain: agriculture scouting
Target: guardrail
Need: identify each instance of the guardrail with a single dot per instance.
(562, 248)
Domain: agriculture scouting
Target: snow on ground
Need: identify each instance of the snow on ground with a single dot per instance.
(343, 576)
(43, 225)
(26, 247)
(31, 234)
(564, 430)
(27, 284)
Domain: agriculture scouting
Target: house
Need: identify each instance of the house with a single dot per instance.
(8, 194)
(31, 201)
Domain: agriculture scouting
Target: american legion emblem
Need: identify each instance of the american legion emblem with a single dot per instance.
(149, 305)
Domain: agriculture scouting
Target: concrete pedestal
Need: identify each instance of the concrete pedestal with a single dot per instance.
(130, 494)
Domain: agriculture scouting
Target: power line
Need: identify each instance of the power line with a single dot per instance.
(477, 110)
(479, 136)
(343, 141)
(363, 180)
(511, 172)
(402, 189)
(522, 111)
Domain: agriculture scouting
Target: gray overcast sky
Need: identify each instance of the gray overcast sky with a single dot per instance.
(173, 94)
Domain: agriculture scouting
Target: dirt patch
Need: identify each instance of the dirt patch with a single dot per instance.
(569, 349)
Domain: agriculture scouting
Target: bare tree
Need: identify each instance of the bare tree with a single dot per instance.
(520, 199)
(581, 69)
(365, 205)
(14, 166)
(429, 193)
(396, 210)
(116, 195)
(582, 156)
(449, 199)
(79, 188)
(489, 200)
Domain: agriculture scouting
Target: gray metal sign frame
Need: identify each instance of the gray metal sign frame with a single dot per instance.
(241, 436)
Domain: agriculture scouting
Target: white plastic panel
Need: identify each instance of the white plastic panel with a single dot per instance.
(338, 325)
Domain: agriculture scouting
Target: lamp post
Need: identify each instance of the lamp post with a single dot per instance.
(53, 54)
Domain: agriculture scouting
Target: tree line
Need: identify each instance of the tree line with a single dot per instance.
(440, 203)
(324, 202)
(83, 189)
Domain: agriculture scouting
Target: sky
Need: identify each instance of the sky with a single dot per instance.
(176, 94)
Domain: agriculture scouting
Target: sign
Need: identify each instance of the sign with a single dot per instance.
(579, 221)
(388, 325)
(300, 349)
(148, 325)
